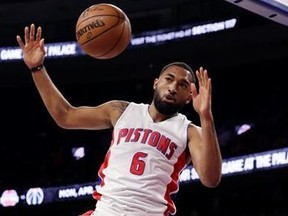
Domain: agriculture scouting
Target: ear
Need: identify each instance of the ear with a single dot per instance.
(155, 83)
(189, 98)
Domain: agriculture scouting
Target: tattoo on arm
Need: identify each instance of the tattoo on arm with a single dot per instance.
(120, 107)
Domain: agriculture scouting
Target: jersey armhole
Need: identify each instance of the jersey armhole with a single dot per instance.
(124, 112)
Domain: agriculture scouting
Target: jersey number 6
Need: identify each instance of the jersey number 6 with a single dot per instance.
(138, 164)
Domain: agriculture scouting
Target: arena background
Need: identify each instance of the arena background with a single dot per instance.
(247, 63)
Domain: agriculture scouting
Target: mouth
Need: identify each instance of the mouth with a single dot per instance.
(169, 98)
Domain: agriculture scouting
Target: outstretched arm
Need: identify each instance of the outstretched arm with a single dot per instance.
(64, 114)
(203, 142)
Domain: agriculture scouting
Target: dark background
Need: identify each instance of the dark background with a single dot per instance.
(247, 65)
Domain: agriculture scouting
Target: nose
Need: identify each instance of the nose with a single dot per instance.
(172, 88)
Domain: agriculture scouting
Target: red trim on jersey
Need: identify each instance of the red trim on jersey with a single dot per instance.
(101, 175)
(105, 163)
(173, 186)
(88, 213)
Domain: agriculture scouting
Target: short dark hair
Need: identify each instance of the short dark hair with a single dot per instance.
(183, 65)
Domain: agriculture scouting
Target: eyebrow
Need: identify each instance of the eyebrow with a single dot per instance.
(172, 75)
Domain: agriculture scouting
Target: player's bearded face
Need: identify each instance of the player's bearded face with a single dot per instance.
(164, 107)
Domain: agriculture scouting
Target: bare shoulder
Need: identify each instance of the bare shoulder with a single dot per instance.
(117, 107)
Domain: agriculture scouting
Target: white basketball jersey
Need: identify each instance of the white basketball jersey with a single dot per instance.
(142, 166)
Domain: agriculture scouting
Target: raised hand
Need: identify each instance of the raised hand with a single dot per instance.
(202, 99)
(33, 46)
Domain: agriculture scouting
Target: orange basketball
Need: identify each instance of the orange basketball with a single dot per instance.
(103, 31)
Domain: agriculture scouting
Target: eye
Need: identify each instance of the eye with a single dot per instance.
(168, 79)
(184, 86)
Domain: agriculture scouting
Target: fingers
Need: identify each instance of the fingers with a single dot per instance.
(32, 32)
(26, 35)
(39, 33)
(20, 42)
(202, 76)
(29, 35)
(42, 43)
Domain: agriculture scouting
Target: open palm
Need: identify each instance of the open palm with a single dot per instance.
(202, 99)
(33, 47)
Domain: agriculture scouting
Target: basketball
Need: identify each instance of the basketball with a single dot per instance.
(103, 31)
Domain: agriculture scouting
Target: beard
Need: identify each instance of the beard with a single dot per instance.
(165, 108)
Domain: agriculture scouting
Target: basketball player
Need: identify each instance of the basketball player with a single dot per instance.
(152, 143)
